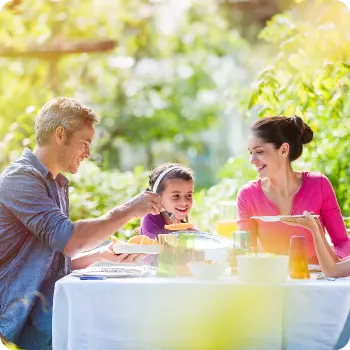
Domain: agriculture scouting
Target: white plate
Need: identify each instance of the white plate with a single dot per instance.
(111, 271)
(278, 218)
(203, 241)
(135, 249)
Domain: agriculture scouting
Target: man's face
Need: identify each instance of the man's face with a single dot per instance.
(76, 148)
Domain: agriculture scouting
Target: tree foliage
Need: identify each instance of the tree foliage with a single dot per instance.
(310, 76)
(165, 80)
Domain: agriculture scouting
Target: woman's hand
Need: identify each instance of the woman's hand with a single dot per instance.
(309, 222)
(107, 254)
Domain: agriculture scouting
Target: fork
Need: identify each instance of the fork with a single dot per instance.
(321, 276)
(169, 219)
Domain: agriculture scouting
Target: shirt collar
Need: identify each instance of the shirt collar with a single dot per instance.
(45, 172)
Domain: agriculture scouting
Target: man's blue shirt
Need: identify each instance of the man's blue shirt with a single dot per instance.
(34, 230)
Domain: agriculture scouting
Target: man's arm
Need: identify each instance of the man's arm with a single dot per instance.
(89, 234)
(25, 196)
(105, 253)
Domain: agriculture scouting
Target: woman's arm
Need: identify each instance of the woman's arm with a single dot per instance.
(333, 220)
(329, 267)
(325, 242)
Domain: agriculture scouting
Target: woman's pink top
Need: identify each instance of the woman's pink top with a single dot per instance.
(315, 195)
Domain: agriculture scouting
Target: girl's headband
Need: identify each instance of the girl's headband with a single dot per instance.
(160, 177)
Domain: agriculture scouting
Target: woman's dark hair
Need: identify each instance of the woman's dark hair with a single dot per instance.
(280, 129)
(180, 172)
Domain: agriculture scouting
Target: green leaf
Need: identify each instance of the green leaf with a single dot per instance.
(253, 100)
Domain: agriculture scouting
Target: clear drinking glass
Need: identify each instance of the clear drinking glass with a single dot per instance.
(185, 253)
(167, 256)
(240, 246)
(226, 223)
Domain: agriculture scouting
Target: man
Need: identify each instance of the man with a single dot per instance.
(39, 244)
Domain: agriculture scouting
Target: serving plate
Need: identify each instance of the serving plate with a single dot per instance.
(278, 218)
(135, 249)
(111, 272)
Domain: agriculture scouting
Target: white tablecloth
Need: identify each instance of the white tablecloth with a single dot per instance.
(184, 313)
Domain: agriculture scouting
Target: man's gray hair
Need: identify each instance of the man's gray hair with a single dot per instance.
(61, 111)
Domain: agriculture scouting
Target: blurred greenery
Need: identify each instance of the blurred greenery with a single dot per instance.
(166, 79)
(93, 192)
(309, 75)
(172, 88)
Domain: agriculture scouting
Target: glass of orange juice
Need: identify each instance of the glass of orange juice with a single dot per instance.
(226, 223)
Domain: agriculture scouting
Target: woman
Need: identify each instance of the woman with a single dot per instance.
(274, 143)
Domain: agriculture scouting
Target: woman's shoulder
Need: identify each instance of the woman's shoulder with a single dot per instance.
(316, 181)
(251, 188)
(315, 177)
(251, 185)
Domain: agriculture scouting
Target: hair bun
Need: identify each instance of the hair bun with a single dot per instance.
(304, 130)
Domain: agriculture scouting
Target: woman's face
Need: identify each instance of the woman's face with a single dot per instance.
(267, 160)
(177, 197)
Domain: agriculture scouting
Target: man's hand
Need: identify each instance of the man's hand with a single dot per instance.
(145, 203)
(107, 254)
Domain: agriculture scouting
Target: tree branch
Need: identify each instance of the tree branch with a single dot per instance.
(59, 48)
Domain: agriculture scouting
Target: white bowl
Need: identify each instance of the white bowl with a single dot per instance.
(262, 268)
(207, 271)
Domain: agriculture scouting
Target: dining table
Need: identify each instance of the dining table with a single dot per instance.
(151, 312)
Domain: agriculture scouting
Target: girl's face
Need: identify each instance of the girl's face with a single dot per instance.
(267, 160)
(177, 197)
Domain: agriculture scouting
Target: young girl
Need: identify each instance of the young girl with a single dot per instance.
(175, 184)
(331, 264)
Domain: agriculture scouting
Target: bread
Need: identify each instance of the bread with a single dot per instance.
(178, 227)
(142, 239)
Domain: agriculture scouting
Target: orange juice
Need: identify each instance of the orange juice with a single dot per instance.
(226, 228)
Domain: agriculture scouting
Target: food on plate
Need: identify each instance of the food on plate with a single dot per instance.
(139, 244)
(142, 239)
(206, 262)
(136, 239)
(178, 227)
(209, 262)
(115, 240)
(139, 239)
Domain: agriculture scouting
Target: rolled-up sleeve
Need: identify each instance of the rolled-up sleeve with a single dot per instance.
(26, 197)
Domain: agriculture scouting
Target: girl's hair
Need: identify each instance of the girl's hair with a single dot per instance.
(179, 172)
(280, 129)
